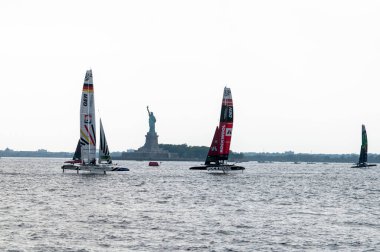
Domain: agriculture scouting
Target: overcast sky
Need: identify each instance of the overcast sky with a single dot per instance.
(304, 75)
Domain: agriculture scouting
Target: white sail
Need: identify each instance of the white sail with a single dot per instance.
(104, 154)
(88, 121)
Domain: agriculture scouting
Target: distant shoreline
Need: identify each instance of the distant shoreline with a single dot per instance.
(234, 157)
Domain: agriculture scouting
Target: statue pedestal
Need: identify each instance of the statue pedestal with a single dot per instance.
(150, 150)
(151, 143)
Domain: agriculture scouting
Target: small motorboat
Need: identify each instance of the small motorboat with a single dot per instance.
(153, 163)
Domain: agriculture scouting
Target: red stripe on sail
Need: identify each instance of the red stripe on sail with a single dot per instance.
(88, 89)
(227, 102)
(92, 140)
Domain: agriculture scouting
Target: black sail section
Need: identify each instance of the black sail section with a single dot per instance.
(213, 153)
(364, 148)
(93, 133)
(104, 154)
(77, 154)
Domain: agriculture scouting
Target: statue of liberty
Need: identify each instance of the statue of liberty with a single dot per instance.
(152, 121)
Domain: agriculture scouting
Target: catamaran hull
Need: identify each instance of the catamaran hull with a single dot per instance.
(120, 169)
(363, 165)
(218, 168)
(94, 168)
(70, 167)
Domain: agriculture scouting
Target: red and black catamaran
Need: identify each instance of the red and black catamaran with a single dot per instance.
(220, 147)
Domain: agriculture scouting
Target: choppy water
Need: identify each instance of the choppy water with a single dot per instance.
(269, 207)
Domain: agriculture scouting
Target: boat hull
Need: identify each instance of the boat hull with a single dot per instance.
(70, 167)
(101, 168)
(218, 168)
(120, 169)
(363, 165)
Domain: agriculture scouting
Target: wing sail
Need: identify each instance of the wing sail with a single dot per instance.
(87, 120)
(226, 124)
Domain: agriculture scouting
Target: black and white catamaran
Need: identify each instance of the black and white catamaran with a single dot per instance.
(217, 156)
(85, 155)
(363, 151)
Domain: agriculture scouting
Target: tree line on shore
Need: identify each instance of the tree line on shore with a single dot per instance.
(199, 153)
(290, 156)
(186, 152)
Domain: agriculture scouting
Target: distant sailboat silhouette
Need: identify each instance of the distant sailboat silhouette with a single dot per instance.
(363, 151)
(220, 145)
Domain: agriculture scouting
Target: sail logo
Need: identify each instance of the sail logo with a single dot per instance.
(87, 118)
(88, 76)
(85, 100)
(229, 132)
(230, 112)
(222, 133)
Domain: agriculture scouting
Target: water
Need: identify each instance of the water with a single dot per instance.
(278, 207)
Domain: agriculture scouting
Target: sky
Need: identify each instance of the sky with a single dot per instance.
(304, 75)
